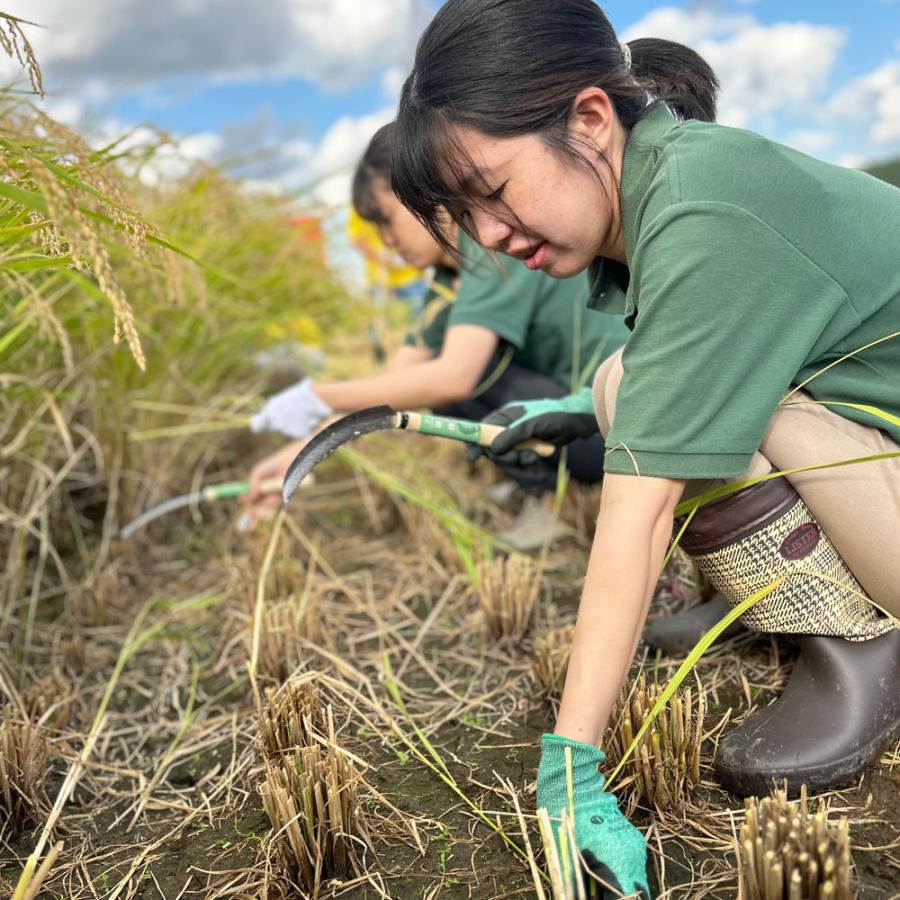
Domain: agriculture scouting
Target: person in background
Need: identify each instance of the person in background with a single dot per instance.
(490, 333)
(762, 288)
(387, 277)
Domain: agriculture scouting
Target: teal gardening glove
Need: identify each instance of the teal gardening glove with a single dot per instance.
(558, 421)
(613, 850)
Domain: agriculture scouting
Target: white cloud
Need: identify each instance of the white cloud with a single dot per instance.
(874, 97)
(851, 161)
(762, 68)
(114, 45)
(331, 163)
(811, 140)
(392, 82)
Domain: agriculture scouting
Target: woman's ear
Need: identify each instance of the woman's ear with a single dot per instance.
(592, 117)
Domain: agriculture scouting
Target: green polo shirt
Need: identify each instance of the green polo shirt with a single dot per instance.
(545, 320)
(752, 268)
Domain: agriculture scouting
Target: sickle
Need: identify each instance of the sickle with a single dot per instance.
(383, 418)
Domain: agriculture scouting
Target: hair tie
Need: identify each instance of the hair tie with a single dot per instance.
(626, 53)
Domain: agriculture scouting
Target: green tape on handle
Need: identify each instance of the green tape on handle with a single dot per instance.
(226, 491)
(457, 429)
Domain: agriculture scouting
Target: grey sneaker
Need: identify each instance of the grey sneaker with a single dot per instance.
(535, 525)
(501, 492)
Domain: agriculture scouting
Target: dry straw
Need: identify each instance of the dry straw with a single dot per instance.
(665, 765)
(23, 767)
(786, 853)
(551, 660)
(291, 625)
(310, 789)
(508, 589)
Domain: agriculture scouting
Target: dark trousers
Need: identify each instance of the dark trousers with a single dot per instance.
(584, 459)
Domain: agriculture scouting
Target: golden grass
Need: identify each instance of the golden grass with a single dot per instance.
(666, 762)
(310, 790)
(787, 853)
(551, 660)
(23, 769)
(508, 590)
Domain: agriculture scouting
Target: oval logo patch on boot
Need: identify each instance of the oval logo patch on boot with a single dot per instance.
(800, 542)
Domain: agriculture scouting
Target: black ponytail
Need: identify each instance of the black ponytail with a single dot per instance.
(375, 165)
(513, 67)
(676, 75)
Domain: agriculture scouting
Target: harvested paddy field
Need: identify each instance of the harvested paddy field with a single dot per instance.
(346, 702)
(359, 602)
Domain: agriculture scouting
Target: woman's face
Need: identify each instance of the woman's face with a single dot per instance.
(402, 231)
(532, 202)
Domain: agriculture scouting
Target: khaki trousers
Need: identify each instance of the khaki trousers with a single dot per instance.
(857, 506)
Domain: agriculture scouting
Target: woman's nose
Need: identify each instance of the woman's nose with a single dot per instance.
(491, 231)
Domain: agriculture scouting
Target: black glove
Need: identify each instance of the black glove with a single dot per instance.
(558, 422)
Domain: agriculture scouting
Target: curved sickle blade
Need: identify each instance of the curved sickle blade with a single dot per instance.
(365, 421)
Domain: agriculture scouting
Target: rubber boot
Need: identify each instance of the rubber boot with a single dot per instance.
(678, 634)
(840, 709)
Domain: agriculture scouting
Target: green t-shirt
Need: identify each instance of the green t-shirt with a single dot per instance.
(752, 268)
(545, 320)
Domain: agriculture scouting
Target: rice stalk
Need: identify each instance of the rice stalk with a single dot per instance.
(23, 768)
(665, 764)
(551, 661)
(287, 630)
(688, 665)
(787, 853)
(15, 43)
(310, 789)
(291, 717)
(508, 589)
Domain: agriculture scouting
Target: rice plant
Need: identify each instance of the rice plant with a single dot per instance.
(310, 789)
(290, 627)
(294, 716)
(787, 853)
(665, 764)
(23, 768)
(551, 660)
(508, 589)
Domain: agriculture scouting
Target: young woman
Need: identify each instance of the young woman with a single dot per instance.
(763, 293)
(491, 332)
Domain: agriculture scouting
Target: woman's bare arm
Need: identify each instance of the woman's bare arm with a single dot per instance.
(634, 528)
(448, 378)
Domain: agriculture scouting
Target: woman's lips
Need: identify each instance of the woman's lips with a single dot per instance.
(537, 258)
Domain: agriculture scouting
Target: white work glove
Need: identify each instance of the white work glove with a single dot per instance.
(295, 412)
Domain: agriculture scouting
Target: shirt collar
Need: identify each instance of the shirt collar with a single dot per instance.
(609, 279)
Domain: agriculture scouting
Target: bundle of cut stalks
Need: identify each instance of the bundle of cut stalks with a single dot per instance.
(292, 717)
(666, 762)
(789, 854)
(49, 699)
(288, 626)
(508, 590)
(310, 789)
(23, 767)
(551, 660)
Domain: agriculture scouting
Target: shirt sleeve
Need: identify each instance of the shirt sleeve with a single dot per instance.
(496, 292)
(431, 323)
(728, 311)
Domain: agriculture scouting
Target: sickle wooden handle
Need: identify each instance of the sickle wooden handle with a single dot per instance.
(489, 432)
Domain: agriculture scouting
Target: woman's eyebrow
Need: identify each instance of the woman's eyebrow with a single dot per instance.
(472, 179)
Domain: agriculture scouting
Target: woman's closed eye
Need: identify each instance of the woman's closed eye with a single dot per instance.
(497, 194)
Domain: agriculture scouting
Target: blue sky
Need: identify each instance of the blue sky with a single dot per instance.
(307, 81)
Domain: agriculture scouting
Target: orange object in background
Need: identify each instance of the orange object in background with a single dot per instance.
(309, 233)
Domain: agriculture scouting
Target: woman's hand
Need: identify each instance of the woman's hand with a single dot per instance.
(259, 506)
(611, 849)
